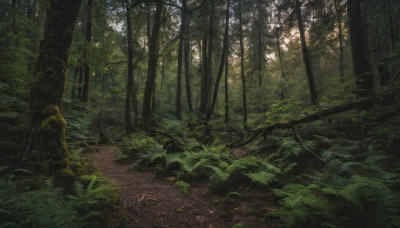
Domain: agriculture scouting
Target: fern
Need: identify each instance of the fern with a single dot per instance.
(262, 177)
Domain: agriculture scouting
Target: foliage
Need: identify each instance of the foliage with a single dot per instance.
(24, 205)
(183, 186)
(351, 191)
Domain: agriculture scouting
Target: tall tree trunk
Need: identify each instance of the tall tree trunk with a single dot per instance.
(203, 92)
(339, 21)
(362, 71)
(86, 54)
(44, 142)
(210, 52)
(151, 70)
(242, 65)
(278, 46)
(179, 75)
(306, 57)
(187, 56)
(207, 60)
(259, 40)
(221, 65)
(226, 83)
(129, 86)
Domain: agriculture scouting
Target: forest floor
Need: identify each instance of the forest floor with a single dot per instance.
(151, 201)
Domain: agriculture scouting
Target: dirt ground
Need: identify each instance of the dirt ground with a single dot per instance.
(151, 201)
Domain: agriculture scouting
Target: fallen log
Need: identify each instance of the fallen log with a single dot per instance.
(249, 136)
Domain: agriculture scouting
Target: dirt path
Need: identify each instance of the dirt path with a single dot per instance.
(150, 201)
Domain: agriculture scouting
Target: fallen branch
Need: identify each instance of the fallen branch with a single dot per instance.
(264, 130)
(300, 140)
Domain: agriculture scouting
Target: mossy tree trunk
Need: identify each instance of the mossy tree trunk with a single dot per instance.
(44, 144)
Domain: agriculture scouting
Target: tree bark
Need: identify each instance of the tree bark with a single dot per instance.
(86, 54)
(207, 60)
(226, 84)
(339, 21)
(306, 56)
(187, 57)
(221, 65)
(129, 86)
(242, 65)
(44, 144)
(151, 70)
(362, 70)
(259, 40)
(179, 75)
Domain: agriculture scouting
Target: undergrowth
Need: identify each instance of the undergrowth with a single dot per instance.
(356, 184)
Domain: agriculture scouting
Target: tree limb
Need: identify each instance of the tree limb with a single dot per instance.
(288, 124)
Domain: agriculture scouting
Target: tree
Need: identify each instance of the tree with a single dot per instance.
(221, 66)
(207, 45)
(242, 65)
(180, 52)
(151, 70)
(129, 85)
(340, 35)
(362, 71)
(306, 57)
(187, 56)
(86, 54)
(44, 141)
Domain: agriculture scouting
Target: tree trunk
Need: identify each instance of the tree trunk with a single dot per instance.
(226, 83)
(362, 71)
(221, 65)
(179, 75)
(306, 57)
(44, 142)
(129, 87)
(207, 61)
(339, 21)
(86, 54)
(278, 45)
(242, 66)
(151, 70)
(259, 40)
(187, 56)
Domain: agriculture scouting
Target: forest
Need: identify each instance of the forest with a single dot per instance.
(200, 113)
